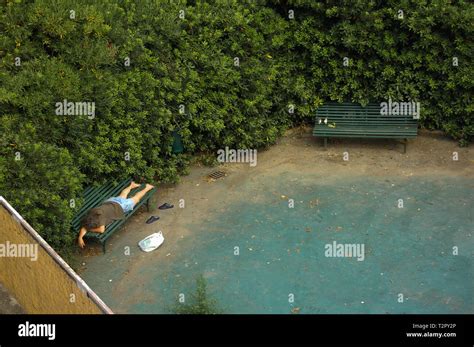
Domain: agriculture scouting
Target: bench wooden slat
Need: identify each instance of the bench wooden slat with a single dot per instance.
(107, 189)
(368, 130)
(365, 121)
(364, 116)
(365, 134)
(374, 136)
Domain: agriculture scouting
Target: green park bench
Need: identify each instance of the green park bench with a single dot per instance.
(95, 195)
(353, 120)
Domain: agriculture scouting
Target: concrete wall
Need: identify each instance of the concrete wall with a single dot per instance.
(44, 285)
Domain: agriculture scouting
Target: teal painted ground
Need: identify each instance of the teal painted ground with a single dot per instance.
(408, 250)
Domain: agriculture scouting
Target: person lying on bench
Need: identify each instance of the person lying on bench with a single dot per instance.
(112, 209)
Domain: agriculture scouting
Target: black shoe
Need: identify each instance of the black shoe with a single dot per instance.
(165, 206)
(152, 219)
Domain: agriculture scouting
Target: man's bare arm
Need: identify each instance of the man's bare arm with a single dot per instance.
(83, 231)
(80, 241)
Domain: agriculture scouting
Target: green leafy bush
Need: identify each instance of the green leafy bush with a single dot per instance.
(40, 183)
(220, 73)
(405, 50)
(200, 302)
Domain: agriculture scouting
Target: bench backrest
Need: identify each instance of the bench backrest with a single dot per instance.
(351, 113)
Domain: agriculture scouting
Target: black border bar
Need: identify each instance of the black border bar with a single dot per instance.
(248, 329)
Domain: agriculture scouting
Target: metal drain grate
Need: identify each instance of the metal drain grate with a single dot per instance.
(217, 174)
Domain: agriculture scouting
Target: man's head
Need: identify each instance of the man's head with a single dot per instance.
(93, 219)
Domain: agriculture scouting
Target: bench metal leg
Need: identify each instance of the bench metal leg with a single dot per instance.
(325, 142)
(405, 141)
(103, 246)
(148, 205)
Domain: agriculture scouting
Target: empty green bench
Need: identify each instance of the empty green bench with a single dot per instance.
(353, 120)
(95, 195)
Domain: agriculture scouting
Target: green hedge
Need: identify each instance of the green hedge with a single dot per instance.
(418, 50)
(183, 58)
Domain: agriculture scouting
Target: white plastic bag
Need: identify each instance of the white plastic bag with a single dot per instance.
(151, 242)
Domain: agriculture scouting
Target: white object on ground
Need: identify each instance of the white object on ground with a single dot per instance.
(151, 242)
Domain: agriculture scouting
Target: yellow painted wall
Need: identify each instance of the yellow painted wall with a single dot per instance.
(41, 286)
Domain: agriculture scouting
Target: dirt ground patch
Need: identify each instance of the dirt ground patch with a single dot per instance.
(298, 155)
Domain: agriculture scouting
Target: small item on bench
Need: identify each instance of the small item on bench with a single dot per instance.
(165, 206)
(152, 219)
(151, 242)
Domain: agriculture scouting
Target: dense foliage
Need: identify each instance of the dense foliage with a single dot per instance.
(404, 50)
(221, 73)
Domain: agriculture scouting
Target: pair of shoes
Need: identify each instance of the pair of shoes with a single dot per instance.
(165, 206)
(152, 219)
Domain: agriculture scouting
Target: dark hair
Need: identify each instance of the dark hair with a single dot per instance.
(92, 219)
